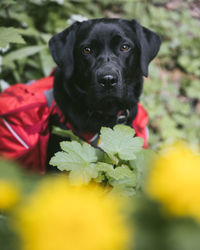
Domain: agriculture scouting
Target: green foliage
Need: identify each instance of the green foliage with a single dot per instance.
(120, 142)
(157, 230)
(8, 35)
(172, 101)
(117, 166)
(78, 159)
(11, 171)
(8, 238)
(34, 22)
(171, 95)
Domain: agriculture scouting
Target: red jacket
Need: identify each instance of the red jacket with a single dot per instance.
(24, 119)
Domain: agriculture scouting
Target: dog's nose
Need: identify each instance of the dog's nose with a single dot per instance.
(108, 80)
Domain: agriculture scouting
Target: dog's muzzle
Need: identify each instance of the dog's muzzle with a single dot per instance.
(107, 81)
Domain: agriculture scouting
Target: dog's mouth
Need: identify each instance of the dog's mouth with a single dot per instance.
(108, 108)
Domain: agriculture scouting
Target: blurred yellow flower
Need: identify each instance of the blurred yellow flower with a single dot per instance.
(9, 194)
(175, 181)
(60, 216)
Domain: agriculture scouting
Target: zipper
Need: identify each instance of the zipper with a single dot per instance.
(19, 139)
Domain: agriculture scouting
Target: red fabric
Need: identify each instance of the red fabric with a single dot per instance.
(140, 124)
(24, 128)
(24, 118)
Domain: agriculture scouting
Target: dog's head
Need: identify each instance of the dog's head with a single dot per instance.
(103, 61)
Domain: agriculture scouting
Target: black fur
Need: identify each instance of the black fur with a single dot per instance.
(91, 89)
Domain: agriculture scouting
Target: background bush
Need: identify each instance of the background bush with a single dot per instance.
(171, 93)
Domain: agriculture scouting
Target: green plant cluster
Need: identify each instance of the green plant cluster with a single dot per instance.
(154, 229)
(171, 93)
(36, 21)
(118, 163)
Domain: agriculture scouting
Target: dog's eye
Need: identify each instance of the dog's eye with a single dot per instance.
(87, 51)
(124, 47)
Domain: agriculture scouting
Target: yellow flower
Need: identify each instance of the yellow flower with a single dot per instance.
(60, 216)
(175, 181)
(9, 194)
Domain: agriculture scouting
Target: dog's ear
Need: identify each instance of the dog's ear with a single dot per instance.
(149, 43)
(61, 46)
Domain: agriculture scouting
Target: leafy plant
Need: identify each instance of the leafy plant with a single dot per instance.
(117, 163)
(8, 35)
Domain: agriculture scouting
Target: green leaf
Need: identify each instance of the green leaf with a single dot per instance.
(22, 53)
(183, 234)
(125, 186)
(9, 239)
(83, 174)
(123, 191)
(120, 142)
(78, 159)
(112, 159)
(124, 172)
(7, 2)
(106, 168)
(124, 176)
(117, 173)
(100, 178)
(10, 171)
(193, 91)
(141, 164)
(29, 31)
(66, 133)
(121, 178)
(10, 35)
(47, 62)
(85, 152)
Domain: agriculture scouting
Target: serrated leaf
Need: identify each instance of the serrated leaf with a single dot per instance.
(123, 172)
(84, 152)
(120, 142)
(124, 183)
(119, 173)
(122, 179)
(105, 167)
(78, 159)
(84, 174)
(10, 35)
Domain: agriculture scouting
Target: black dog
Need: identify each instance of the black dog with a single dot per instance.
(101, 64)
(98, 82)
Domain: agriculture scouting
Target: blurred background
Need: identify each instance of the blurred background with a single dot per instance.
(172, 91)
